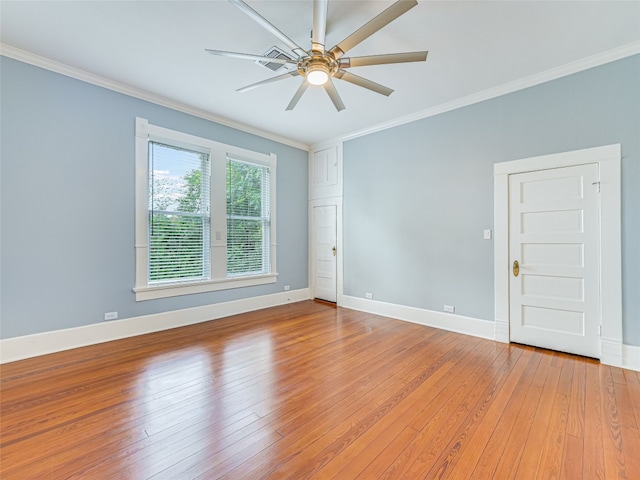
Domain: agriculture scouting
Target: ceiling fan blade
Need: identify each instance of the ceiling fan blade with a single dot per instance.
(319, 31)
(363, 82)
(330, 88)
(249, 56)
(269, 27)
(371, 27)
(345, 62)
(267, 81)
(294, 101)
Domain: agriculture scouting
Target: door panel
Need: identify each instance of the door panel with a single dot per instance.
(324, 252)
(554, 236)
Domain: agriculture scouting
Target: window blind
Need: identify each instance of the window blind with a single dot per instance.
(248, 218)
(179, 216)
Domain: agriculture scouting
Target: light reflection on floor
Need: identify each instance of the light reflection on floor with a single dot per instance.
(188, 393)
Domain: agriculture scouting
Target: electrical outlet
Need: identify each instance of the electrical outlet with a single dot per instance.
(368, 295)
(449, 309)
(286, 288)
(111, 315)
(487, 234)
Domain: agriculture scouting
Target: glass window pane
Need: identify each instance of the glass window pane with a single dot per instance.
(248, 224)
(179, 214)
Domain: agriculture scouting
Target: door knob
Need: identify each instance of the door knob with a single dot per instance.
(516, 268)
(334, 250)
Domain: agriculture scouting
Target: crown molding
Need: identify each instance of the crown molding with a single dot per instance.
(510, 87)
(63, 69)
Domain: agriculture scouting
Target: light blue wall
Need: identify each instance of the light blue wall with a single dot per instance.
(67, 202)
(417, 197)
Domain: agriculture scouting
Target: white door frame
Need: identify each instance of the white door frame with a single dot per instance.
(326, 202)
(609, 159)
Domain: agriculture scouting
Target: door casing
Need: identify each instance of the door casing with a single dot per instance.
(609, 160)
(323, 202)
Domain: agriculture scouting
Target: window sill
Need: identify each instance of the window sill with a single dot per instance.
(176, 289)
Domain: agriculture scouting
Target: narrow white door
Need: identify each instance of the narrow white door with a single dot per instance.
(554, 259)
(324, 252)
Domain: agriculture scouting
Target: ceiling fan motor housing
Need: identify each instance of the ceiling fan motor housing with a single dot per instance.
(317, 62)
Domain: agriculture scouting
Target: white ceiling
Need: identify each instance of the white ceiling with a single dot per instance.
(474, 46)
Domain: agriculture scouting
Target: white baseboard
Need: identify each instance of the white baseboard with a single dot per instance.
(631, 357)
(430, 318)
(614, 353)
(19, 348)
(611, 352)
(501, 331)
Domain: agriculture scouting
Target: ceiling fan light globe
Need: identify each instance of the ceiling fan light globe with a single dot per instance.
(317, 76)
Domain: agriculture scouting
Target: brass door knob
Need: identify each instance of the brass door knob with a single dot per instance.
(334, 250)
(516, 268)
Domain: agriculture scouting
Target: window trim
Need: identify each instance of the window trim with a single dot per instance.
(218, 153)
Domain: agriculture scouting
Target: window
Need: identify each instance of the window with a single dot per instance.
(179, 214)
(248, 223)
(204, 215)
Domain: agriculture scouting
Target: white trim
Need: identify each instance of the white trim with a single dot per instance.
(326, 202)
(631, 357)
(326, 191)
(18, 348)
(104, 82)
(153, 292)
(539, 78)
(611, 352)
(510, 87)
(429, 318)
(609, 160)
(501, 331)
(218, 155)
(616, 353)
(326, 197)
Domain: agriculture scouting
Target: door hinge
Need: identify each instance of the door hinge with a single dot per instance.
(600, 331)
(597, 184)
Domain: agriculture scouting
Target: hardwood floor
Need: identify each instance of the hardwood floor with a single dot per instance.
(312, 391)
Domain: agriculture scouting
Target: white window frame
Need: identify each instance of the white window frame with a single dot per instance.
(218, 153)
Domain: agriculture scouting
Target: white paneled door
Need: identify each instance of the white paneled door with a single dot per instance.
(324, 252)
(554, 233)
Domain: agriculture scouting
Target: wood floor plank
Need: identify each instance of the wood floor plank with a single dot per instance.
(310, 390)
(629, 427)
(533, 446)
(593, 466)
(442, 457)
(514, 447)
(633, 384)
(575, 421)
(351, 461)
(572, 458)
(553, 445)
(339, 424)
(458, 415)
(435, 431)
(614, 454)
(389, 419)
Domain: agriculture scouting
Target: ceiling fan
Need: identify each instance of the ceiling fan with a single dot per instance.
(318, 65)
